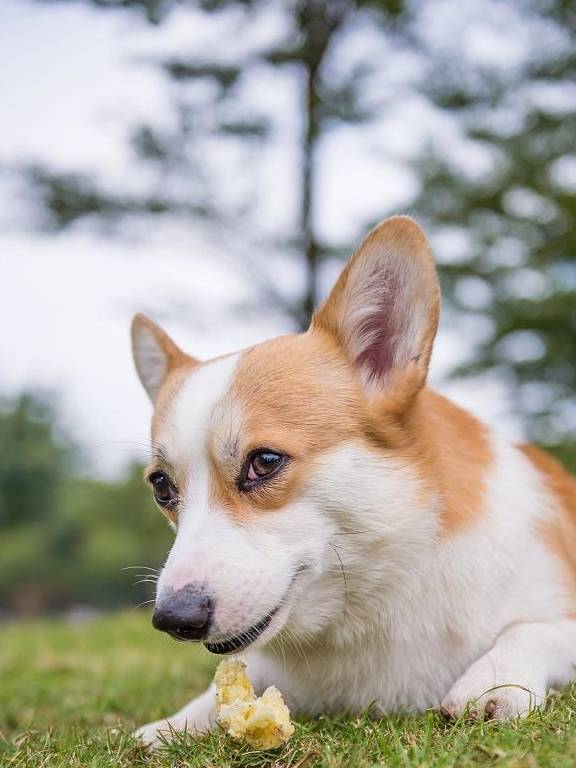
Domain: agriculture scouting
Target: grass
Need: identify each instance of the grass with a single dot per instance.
(70, 695)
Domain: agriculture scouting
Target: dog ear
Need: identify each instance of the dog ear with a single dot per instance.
(384, 309)
(155, 354)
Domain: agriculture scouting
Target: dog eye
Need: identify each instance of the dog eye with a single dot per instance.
(261, 465)
(163, 489)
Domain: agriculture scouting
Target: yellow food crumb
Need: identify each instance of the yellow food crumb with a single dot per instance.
(262, 722)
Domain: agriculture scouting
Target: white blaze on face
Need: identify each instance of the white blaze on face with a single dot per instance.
(188, 427)
(184, 437)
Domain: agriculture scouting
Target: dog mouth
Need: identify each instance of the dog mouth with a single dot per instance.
(243, 640)
(248, 636)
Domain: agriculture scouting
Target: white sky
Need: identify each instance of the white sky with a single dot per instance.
(69, 90)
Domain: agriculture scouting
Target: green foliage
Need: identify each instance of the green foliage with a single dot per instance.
(519, 216)
(34, 461)
(67, 539)
(73, 693)
(66, 198)
(107, 528)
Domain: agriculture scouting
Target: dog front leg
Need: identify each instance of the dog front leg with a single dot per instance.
(513, 677)
(196, 717)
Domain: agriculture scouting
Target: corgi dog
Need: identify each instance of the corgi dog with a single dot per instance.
(356, 537)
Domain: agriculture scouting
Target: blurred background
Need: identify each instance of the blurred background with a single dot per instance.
(212, 163)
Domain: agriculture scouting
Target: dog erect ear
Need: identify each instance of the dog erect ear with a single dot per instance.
(384, 308)
(155, 354)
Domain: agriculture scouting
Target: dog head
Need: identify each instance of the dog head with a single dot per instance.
(283, 466)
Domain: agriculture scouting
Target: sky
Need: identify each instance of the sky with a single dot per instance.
(73, 84)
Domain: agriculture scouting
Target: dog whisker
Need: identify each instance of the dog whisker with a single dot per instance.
(335, 550)
(145, 602)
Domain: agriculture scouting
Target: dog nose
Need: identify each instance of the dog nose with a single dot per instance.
(185, 614)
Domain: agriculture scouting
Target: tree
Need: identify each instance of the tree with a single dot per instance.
(213, 116)
(35, 461)
(517, 269)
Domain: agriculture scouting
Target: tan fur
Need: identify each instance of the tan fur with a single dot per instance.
(298, 395)
(406, 245)
(560, 532)
(453, 451)
(448, 445)
(177, 376)
(176, 361)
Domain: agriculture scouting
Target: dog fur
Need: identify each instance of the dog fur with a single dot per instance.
(415, 558)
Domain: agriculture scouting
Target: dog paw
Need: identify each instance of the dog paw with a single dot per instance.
(500, 703)
(154, 734)
(479, 694)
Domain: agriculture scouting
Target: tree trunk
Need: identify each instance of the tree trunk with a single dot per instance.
(310, 245)
(317, 21)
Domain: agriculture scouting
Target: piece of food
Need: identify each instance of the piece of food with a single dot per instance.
(262, 722)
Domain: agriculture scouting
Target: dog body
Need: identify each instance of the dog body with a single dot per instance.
(359, 539)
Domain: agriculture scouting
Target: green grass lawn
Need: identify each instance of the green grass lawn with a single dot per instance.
(70, 695)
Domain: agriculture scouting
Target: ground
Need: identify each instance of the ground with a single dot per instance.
(70, 693)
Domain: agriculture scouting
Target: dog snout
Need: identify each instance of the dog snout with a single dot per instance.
(185, 614)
